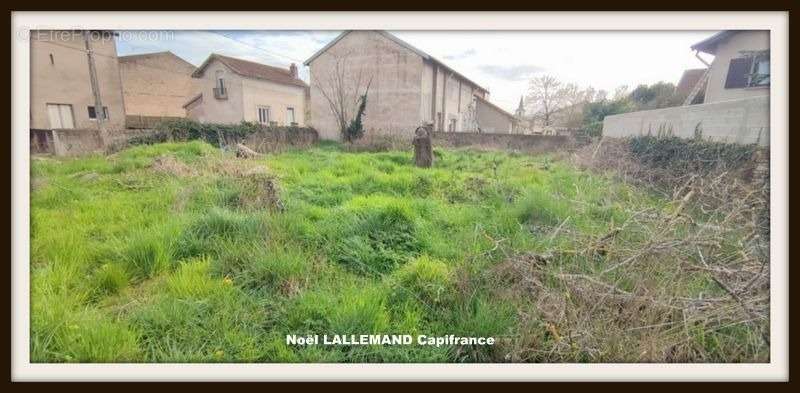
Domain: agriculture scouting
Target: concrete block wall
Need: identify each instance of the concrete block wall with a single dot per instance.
(73, 142)
(742, 121)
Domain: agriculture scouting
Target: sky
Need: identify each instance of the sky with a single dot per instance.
(501, 61)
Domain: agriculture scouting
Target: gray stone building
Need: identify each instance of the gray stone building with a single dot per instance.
(407, 88)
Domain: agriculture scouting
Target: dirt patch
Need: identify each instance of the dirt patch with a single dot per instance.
(171, 166)
(373, 143)
(260, 189)
(38, 183)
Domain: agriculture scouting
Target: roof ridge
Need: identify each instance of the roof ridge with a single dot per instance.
(286, 70)
(397, 40)
(145, 54)
(252, 69)
(151, 54)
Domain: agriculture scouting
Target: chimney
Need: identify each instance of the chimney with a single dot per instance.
(293, 70)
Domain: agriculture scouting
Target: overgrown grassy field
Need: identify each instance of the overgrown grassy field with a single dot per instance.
(177, 252)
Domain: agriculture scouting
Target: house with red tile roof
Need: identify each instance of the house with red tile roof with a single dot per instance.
(231, 90)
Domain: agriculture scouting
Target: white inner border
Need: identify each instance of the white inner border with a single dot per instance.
(776, 22)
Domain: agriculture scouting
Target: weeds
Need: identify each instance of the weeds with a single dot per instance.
(179, 252)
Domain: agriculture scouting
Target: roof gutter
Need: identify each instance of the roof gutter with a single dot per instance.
(697, 55)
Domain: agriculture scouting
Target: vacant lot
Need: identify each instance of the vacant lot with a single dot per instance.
(179, 253)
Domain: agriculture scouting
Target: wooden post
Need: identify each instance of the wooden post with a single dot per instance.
(423, 150)
(99, 114)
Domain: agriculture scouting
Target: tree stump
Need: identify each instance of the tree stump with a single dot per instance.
(423, 151)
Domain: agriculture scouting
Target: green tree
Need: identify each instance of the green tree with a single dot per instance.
(595, 112)
(657, 95)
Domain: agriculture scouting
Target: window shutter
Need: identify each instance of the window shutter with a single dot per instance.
(737, 73)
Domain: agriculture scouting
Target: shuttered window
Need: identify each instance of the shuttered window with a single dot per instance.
(93, 113)
(751, 70)
(738, 72)
(60, 116)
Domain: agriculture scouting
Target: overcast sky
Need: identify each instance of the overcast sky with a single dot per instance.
(500, 61)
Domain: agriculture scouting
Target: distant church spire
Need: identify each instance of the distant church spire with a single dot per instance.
(520, 109)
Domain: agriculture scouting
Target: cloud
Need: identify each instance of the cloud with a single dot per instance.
(277, 48)
(511, 73)
(461, 55)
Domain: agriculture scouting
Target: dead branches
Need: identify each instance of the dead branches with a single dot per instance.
(658, 286)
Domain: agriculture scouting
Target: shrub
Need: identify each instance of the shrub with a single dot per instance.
(200, 318)
(213, 133)
(282, 268)
(64, 331)
(540, 209)
(148, 252)
(217, 224)
(109, 279)
(355, 130)
(373, 235)
(688, 155)
(425, 279)
(352, 309)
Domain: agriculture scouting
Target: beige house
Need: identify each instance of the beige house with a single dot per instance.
(735, 107)
(156, 84)
(741, 65)
(61, 87)
(407, 88)
(229, 90)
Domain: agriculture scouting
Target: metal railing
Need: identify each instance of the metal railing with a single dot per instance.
(220, 93)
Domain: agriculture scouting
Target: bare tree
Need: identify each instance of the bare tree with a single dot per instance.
(547, 95)
(620, 92)
(343, 88)
(574, 98)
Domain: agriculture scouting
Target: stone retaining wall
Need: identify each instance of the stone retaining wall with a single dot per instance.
(506, 142)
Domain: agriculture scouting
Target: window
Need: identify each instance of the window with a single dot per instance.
(93, 113)
(751, 70)
(220, 80)
(52, 60)
(263, 114)
(759, 75)
(60, 116)
(290, 116)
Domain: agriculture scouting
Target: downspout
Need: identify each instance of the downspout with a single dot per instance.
(435, 70)
(698, 85)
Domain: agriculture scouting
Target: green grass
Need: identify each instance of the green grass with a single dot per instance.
(133, 264)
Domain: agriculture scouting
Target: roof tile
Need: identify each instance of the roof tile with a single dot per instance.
(255, 70)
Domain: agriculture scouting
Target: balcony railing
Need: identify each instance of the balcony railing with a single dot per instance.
(220, 93)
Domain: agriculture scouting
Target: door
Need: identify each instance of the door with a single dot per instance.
(60, 116)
